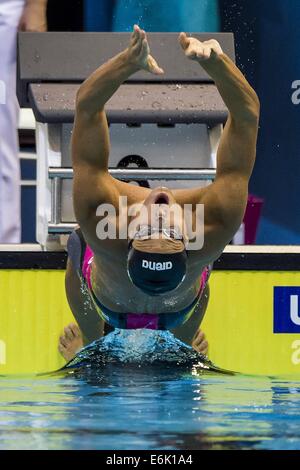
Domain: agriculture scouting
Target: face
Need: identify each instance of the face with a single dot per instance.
(160, 210)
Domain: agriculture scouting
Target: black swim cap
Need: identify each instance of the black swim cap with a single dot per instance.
(156, 273)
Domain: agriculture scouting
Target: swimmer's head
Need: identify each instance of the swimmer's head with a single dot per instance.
(157, 257)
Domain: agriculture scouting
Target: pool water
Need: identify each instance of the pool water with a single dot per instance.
(149, 407)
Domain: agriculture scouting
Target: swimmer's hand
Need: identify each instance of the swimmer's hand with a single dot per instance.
(197, 50)
(138, 52)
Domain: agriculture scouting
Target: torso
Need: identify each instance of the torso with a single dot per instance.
(109, 270)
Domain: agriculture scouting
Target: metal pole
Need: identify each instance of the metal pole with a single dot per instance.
(146, 174)
(56, 200)
(61, 227)
(58, 174)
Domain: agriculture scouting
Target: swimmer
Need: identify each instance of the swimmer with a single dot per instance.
(151, 278)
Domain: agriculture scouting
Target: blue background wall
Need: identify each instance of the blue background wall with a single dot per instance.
(153, 15)
(267, 35)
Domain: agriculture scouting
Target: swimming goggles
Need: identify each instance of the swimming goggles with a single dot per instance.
(146, 231)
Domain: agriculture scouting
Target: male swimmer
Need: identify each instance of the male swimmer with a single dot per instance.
(150, 278)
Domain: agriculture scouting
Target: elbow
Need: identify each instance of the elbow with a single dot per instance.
(252, 110)
(249, 113)
(255, 106)
(81, 101)
(252, 116)
(86, 104)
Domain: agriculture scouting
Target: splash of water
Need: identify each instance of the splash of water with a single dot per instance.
(141, 347)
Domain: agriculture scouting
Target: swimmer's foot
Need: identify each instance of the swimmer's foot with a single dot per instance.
(199, 343)
(70, 342)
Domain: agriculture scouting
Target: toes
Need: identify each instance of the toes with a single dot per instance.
(69, 333)
(75, 330)
(203, 348)
(63, 341)
(200, 343)
(61, 348)
(199, 336)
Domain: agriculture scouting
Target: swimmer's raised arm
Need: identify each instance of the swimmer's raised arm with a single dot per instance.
(227, 196)
(90, 142)
(238, 95)
(104, 82)
(90, 138)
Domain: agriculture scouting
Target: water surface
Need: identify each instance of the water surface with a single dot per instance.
(149, 407)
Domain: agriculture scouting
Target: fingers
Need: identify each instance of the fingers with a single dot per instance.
(139, 44)
(135, 35)
(184, 41)
(145, 50)
(197, 50)
(188, 45)
(215, 46)
(140, 50)
(204, 53)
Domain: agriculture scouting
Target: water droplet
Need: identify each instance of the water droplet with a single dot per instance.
(156, 105)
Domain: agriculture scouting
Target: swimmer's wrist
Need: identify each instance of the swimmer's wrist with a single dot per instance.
(217, 66)
(215, 59)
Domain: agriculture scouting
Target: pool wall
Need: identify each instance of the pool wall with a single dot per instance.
(252, 295)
